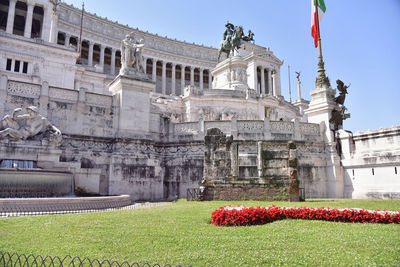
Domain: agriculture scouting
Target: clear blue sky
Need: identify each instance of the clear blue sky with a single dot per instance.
(360, 42)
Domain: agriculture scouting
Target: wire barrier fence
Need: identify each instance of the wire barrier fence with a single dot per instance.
(24, 212)
(21, 260)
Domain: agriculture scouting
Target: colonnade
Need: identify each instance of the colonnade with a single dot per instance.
(265, 81)
(168, 76)
(172, 77)
(24, 18)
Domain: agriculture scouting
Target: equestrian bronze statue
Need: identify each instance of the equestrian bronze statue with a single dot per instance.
(232, 39)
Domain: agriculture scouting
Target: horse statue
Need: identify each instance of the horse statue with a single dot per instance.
(232, 39)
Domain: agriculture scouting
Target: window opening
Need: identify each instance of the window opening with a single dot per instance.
(8, 66)
(16, 66)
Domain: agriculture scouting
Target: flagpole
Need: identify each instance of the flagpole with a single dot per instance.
(290, 89)
(321, 79)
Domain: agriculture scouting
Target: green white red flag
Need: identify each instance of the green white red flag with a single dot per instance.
(316, 18)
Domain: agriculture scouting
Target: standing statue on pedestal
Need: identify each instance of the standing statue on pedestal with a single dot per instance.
(22, 127)
(232, 39)
(131, 55)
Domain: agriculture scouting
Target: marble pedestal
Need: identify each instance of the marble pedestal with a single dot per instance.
(231, 74)
(132, 95)
(319, 111)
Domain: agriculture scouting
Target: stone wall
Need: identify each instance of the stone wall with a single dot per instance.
(254, 129)
(371, 162)
(240, 168)
(170, 161)
(73, 112)
(144, 169)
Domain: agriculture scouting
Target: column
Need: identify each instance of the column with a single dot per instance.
(269, 82)
(277, 83)
(274, 83)
(201, 78)
(298, 90)
(113, 51)
(102, 50)
(209, 80)
(45, 25)
(173, 77)
(192, 76)
(67, 38)
(182, 78)
(255, 78)
(164, 77)
(11, 15)
(145, 64)
(154, 71)
(262, 81)
(90, 57)
(28, 21)
(53, 28)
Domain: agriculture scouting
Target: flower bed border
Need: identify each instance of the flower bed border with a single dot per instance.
(242, 216)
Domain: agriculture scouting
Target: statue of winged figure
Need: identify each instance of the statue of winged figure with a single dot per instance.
(298, 76)
(339, 114)
(342, 88)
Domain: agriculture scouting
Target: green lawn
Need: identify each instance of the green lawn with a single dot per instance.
(181, 233)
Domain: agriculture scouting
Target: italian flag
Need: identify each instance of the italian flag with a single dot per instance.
(315, 19)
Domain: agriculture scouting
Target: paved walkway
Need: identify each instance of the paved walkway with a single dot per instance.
(130, 207)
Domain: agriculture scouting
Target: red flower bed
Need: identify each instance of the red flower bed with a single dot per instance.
(239, 216)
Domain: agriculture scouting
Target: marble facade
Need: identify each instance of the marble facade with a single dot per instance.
(146, 137)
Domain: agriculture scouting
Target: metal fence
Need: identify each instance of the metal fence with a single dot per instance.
(23, 212)
(21, 260)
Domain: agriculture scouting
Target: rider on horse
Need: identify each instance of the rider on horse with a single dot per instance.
(232, 38)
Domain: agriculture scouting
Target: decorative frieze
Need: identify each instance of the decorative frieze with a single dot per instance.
(137, 149)
(250, 126)
(186, 128)
(23, 89)
(63, 94)
(310, 148)
(309, 128)
(282, 127)
(82, 145)
(183, 149)
(98, 100)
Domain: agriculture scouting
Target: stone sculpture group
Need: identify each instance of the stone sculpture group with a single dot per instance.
(131, 55)
(22, 127)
